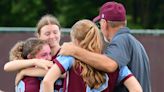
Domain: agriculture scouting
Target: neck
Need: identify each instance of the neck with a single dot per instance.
(114, 31)
(55, 49)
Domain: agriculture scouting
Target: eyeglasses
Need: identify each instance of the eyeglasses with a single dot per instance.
(98, 24)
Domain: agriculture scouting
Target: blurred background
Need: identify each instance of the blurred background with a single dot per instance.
(18, 19)
(147, 14)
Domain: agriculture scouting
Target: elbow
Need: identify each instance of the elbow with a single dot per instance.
(112, 67)
(10, 67)
(111, 70)
(6, 68)
(46, 83)
(109, 65)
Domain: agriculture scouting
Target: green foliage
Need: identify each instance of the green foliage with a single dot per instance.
(74, 10)
(21, 12)
(141, 14)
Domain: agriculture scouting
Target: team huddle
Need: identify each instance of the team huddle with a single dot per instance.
(83, 64)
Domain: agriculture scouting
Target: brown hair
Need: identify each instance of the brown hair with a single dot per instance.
(87, 33)
(46, 20)
(23, 48)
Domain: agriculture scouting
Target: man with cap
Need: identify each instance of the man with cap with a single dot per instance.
(122, 49)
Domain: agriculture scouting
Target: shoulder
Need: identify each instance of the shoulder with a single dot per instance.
(121, 40)
(65, 58)
(121, 37)
(65, 62)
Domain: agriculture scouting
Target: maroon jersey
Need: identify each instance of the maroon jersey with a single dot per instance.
(28, 84)
(32, 84)
(74, 82)
(58, 86)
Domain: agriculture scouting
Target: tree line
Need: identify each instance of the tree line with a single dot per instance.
(146, 14)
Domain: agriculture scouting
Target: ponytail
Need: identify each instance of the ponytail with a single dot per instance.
(87, 33)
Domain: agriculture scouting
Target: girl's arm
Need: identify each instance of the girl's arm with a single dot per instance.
(52, 75)
(132, 84)
(127, 78)
(62, 64)
(21, 64)
(98, 61)
(33, 72)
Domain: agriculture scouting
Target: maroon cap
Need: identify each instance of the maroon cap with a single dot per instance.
(111, 11)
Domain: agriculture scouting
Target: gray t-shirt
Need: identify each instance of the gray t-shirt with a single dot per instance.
(125, 49)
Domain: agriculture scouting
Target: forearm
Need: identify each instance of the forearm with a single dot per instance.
(95, 60)
(48, 87)
(18, 64)
(34, 72)
(133, 85)
(53, 74)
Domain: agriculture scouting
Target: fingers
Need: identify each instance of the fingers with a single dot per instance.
(67, 49)
(66, 44)
(48, 66)
(50, 63)
(63, 48)
(44, 67)
(45, 64)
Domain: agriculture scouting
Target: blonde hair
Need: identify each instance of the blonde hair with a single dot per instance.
(87, 34)
(16, 52)
(46, 20)
(22, 49)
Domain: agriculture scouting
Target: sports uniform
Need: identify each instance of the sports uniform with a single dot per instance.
(33, 84)
(74, 82)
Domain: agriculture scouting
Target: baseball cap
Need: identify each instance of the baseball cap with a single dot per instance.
(111, 11)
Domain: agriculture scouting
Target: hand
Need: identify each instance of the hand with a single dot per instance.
(68, 49)
(45, 64)
(19, 77)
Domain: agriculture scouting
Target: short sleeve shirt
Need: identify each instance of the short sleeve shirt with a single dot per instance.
(126, 50)
(65, 63)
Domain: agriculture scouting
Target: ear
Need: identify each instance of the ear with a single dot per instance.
(104, 24)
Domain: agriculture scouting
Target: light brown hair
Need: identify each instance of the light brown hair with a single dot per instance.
(46, 20)
(22, 49)
(87, 34)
